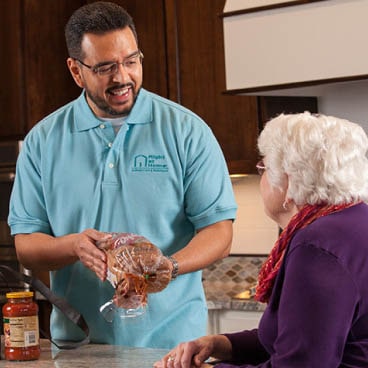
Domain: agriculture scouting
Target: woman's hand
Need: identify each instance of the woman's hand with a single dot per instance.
(188, 354)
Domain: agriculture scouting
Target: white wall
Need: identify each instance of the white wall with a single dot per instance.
(348, 101)
(254, 232)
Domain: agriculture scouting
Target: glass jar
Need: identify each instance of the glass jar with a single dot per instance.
(21, 329)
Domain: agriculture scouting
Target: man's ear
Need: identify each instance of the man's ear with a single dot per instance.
(75, 71)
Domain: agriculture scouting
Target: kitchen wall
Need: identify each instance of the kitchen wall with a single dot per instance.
(254, 232)
(348, 100)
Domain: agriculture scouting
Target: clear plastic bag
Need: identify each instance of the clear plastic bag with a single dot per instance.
(136, 267)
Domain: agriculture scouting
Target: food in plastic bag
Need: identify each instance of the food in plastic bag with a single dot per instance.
(136, 267)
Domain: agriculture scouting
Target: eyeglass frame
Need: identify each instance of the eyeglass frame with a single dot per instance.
(113, 66)
(261, 167)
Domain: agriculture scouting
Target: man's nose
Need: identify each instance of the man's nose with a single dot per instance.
(121, 74)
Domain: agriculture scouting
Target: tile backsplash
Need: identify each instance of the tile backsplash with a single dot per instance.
(229, 276)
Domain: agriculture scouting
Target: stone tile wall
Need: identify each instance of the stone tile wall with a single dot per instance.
(230, 276)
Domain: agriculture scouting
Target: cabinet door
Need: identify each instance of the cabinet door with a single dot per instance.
(271, 106)
(233, 321)
(182, 41)
(34, 77)
(150, 22)
(12, 87)
(201, 81)
(223, 321)
(48, 83)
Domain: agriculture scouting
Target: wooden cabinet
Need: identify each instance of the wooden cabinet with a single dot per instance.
(183, 44)
(12, 84)
(182, 41)
(201, 81)
(48, 83)
(35, 79)
(271, 106)
(150, 22)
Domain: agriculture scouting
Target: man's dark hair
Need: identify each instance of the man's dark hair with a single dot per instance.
(97, 18)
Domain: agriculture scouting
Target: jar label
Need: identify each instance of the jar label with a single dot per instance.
(21, 332)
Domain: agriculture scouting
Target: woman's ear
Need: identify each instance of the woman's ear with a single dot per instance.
(290, 206)
(75, 71)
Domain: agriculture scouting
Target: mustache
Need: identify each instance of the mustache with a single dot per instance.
(120, 86)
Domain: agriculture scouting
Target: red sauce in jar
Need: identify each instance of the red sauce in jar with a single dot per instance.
(21, 330)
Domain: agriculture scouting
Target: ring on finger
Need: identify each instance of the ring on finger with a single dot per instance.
(171, 358)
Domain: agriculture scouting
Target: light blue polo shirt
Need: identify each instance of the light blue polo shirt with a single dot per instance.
(163, 176)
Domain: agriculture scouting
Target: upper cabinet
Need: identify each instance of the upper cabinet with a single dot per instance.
(271, 45)
(150, 20)
(183, 46)
(11, 93)
(47, 81)
(34, 76)
(197, 49)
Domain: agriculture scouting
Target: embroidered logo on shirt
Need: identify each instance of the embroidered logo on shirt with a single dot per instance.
(150, 163)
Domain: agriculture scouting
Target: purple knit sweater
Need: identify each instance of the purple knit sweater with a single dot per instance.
(317, 316)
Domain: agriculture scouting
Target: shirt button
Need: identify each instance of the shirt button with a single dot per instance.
(102, 126)
(111, 165)
(110, 144)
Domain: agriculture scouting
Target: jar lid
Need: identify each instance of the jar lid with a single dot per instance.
(20, 294)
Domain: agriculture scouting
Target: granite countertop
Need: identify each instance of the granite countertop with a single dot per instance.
(92, 355)
(223, 299)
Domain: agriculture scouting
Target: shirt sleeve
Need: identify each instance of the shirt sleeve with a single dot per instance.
(27, 210)
(314, 317)
(209, 196)
(247, 349)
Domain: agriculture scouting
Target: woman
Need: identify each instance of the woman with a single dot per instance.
(315, 281)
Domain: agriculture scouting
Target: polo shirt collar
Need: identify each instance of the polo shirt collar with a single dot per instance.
(142, 110)
(140, 114)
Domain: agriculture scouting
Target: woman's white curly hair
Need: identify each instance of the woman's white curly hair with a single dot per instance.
(324, 157)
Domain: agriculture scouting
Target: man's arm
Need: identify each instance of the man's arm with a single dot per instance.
(38, 251)
(211, 243)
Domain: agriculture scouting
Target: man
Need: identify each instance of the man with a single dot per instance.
(120, 159)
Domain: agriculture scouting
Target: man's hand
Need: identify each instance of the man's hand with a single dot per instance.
(84, 245)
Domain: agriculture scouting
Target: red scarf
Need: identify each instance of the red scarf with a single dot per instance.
(270, 268)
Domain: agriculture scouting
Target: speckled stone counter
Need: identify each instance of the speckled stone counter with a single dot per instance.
(241, 305)
(95, 356)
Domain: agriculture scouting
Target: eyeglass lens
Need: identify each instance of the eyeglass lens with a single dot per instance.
(129, 64)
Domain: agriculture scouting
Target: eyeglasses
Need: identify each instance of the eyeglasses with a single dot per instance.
(130, 64)
(261, 168)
